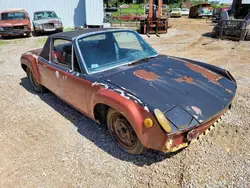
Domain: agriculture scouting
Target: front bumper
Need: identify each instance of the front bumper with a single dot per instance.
(42, 30)
(175, 15)
(180, 141)
(203, 14)
(14, 32)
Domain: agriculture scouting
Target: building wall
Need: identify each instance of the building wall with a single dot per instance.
(72, 12)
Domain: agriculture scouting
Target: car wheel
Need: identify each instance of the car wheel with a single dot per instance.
(37, 87)
(123, 133)
(28, 34)
(248, 36)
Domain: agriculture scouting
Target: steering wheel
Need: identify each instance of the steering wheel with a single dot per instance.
(129, 52)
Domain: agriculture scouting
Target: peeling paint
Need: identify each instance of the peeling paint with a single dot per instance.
(228, 91)
(121, 93)
(57, 74)
(146, 108)
(196, 110)
(150, 76)
(100, 84)
(185, 79)
(212, 77)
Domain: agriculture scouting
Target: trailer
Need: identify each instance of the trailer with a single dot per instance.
(203, 9)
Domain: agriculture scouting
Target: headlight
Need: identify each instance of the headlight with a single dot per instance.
(1, 29)
(25, 27)
(162, 120)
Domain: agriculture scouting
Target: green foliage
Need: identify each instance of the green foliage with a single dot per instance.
(41, 41)
(2, 42)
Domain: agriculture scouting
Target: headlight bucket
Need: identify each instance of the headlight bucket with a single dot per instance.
(162, 120)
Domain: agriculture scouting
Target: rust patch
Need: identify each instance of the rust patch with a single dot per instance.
(196, 110)
(150, 76)
(186, 79)
(212, 77)
(228, 91)
(156, 65)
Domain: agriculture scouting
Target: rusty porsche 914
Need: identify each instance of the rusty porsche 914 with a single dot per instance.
(147, 100)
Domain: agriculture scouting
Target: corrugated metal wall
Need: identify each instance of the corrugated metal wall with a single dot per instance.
(72, 12)
(94, 12)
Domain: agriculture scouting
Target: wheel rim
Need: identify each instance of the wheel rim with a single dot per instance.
(123, 132)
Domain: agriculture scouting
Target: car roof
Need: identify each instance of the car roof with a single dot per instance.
(70, 35)
(14, 10)
(44, 11)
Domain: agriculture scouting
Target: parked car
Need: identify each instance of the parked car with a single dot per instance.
(184, 11)
(117, 79)
(46, 21)
(175, 12)
(203, 9)
(15, 22)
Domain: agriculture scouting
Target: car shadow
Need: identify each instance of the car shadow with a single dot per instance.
(94, 132)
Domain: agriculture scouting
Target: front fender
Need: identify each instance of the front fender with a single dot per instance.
(153, 137)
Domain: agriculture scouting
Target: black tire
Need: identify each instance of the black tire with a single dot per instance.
(123, 133)
(248, 36)
(37, 87)
(28, 34)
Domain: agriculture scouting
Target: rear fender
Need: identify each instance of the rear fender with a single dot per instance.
(31, 60)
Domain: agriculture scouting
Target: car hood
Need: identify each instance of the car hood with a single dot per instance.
(175, 12)
(43, 21)
(8, 23)
(176, 86)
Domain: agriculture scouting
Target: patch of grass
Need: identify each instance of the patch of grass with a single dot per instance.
(2, 42)
(133, 8)
(41, 41)
(68, 29)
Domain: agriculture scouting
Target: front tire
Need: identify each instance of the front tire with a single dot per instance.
(121, 130)
(36, 86)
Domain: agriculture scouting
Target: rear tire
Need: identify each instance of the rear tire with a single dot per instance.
(123, 133)
(37, 87)
(248, 36)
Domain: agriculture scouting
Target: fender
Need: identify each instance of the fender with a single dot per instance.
(153, 137)
(31, 60)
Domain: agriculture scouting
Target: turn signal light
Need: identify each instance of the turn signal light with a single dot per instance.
(148, 122)
(162, 120)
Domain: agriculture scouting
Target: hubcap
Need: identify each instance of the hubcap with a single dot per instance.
(123, 132)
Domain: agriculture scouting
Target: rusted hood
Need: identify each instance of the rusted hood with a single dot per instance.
(8, 23)
(178, 88)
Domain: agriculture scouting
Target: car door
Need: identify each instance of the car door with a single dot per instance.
(71, 81)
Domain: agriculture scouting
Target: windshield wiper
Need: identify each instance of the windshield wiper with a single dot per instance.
(140, 61)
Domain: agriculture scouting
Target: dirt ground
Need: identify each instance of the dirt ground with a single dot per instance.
(46, 143)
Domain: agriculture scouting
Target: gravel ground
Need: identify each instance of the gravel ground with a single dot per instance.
(46, 143)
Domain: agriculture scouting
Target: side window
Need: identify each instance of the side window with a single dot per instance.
(76, 64)
(127, 40)
(61, 52)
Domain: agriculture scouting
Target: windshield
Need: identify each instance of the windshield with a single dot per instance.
(112, 49)
(44, 15)
(185, 9)
(176, 9)
(13, 16)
